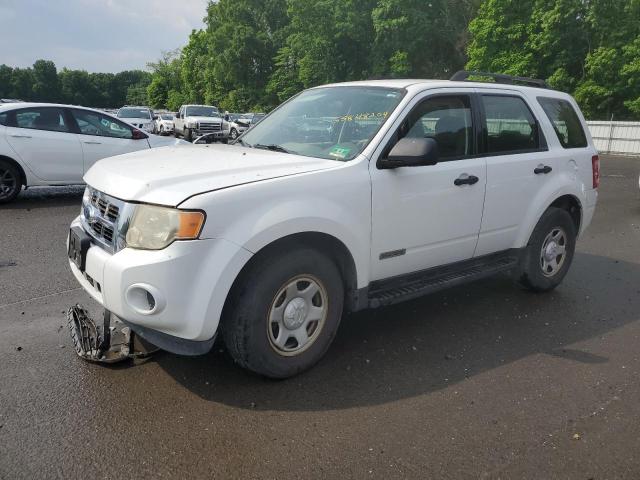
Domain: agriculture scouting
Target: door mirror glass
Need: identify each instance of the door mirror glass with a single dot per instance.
(138, 134)
(412, 152)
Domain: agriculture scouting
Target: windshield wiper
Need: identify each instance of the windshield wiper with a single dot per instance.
(273, 147)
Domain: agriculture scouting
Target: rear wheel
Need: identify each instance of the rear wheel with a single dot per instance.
(548, 255)
(284, 313)
(10, 181)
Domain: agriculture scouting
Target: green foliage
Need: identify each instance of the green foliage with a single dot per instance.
(43, 83)
(588, 48)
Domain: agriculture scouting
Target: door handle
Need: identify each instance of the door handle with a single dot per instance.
(20, 136)
(542, 169)
(465, 179)
(93, 143)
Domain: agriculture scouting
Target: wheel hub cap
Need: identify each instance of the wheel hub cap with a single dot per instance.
(295, 313)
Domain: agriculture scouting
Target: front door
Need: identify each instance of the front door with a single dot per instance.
(422, 217)
(102, 136)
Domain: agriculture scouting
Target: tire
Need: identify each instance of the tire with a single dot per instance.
(188, 136)
(233, 134)
(10, 181)
(542, 266)
(283, 297)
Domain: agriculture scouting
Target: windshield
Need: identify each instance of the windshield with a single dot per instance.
(202, 112)
(134, 113)
(335, 123)
(166, 116)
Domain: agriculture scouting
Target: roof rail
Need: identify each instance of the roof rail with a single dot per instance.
(463, 76)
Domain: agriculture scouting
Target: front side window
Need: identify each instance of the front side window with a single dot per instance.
(41, 118)
(94, 123)
(128, 112)
(511, 127)
(198, 111)
(448, 121)
(334, 123)
(565, 122)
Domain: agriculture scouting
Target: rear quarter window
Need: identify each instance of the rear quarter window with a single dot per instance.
(3, 118)
(565, 122)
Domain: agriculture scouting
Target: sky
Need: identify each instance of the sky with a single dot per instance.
(95, 35)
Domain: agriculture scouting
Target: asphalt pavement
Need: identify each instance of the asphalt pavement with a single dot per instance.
(481, 381)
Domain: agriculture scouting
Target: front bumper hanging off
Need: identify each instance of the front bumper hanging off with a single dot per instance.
(110, 342)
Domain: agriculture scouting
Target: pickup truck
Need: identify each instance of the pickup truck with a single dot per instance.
(193, 121)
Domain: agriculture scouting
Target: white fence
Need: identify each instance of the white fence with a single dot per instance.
(616, 137)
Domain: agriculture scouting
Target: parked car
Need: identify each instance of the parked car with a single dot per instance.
(10, 100)
(193, 121)
(164, 123)
(139, 117)
(48, 144)
(238, 124)
(409, 187)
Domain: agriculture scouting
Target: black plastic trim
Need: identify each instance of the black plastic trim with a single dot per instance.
(179, 346)
(417, 284)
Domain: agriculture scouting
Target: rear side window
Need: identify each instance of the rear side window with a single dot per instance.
(511, 127)
(41, 118)
(565, 122)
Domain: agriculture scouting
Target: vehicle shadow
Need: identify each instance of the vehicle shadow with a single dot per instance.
(47, 197)
(428, 344)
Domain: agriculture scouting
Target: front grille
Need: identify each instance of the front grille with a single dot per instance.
(206, 127)
(107, 210)
(101, 217)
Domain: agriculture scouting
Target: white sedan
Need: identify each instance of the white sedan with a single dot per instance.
(47, 144)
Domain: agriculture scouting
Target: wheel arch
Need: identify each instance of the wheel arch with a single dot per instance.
(23, 175)
(325, 243)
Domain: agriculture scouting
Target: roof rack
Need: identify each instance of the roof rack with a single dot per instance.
(463, 76)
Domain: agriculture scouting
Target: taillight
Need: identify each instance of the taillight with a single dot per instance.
(595, 167)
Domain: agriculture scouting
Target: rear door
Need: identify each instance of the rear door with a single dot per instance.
(45, 141)
(421, 217)
(518, 166)
(103, 136)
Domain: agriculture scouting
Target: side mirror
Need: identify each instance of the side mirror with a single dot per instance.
(411, 152)
(155, 117)
(226, 117)
(138, 134)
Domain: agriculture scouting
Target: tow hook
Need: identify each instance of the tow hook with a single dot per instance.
(110, 342)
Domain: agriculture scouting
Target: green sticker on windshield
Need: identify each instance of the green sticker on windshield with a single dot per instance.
(339, 152)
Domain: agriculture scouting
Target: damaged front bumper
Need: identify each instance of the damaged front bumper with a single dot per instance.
(110, 342)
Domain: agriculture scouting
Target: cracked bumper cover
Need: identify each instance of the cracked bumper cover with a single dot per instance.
(190, 280)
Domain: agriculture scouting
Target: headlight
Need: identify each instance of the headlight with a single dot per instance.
(154, 228)
(192, 124)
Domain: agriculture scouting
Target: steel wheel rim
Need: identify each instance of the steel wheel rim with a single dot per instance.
(8, 183)
(234, 134)
(297, 315)
(553, 252)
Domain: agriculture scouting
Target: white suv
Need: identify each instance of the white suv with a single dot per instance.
(345, 197)
(139, 117)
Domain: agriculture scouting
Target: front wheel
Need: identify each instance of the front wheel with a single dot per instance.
(548, 255)
(284, 312)
(10, 183)
(188, 136)
(233, 134)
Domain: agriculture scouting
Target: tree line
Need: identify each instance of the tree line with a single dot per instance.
(44, 83)
(254, 54)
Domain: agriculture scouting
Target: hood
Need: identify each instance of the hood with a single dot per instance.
(168, 176)
(193, 118)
